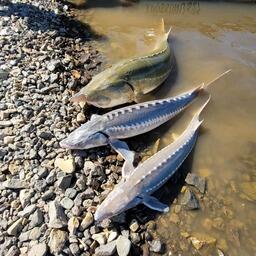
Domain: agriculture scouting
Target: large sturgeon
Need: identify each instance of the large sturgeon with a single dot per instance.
(125, 80)
(138, 184)
(128, 122)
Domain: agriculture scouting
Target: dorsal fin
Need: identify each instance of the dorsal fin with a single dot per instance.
(162, 29)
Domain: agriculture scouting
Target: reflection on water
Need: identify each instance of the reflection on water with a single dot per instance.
(207, 39)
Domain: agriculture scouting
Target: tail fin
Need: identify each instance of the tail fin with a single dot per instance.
(205, 86)
(195, 122)
(162, 29)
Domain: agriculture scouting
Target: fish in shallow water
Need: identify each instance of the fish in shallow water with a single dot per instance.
(138, 184)
(128, 122)
(124, 81)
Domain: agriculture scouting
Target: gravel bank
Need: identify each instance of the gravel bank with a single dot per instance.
(48, 196)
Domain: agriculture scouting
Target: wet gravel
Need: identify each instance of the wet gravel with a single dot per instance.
(48, 196)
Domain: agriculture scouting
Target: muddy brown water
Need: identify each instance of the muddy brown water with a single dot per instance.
(207, 39)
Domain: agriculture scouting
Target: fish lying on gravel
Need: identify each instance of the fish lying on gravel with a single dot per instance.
(128, 122)
(138, 184)
(124, 81)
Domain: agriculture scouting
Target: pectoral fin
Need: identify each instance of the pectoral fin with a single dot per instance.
(122, 148)
(154, 204)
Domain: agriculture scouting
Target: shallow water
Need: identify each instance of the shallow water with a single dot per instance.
(207, 39)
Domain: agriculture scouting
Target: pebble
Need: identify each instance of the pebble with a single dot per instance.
(73, 224)
(100, 238)
(198, 182)
(27, 211)
(64, 181)
(57, 240)
(189, 200)
(15, 184)
(38, 250)
(112, 235)
(155, 246)
(134, 225)
(57, 217)
(15, 228)
(123, 245)
(67, 166)
(74, 248)
(87, 221)
(36, 218)
(67, 203)
(80, 118)
(106, 249)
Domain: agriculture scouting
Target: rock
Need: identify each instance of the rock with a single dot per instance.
(198, 182)
(80, 118)
(106, 249)
(56, 215)
(67, 166)
(38, 250)
(64, 181)
(189, 200)
(73, 224)
(74, 248)
(13, 251)
(67, 203)
(87, 221)
(70, 193)
(201, 240)
(155, 246)
(53, 65)
(34, 233)
(249, 190)
(57, 241)
(15, 228)
(27, 211)
(134, 225)
(25, 195)
(4, 124)
(45, 135)
(32, 154)
(112, 236)
(36, 218)
(174, 218)
(100, 238)
(15, 184)
(123, 245)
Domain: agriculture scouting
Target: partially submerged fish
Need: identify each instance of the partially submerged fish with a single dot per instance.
(128, 122)
(138, 184)
(124, 81)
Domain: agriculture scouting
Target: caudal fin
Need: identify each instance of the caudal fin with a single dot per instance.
(196, 122)
(162, 29)
(205, 86)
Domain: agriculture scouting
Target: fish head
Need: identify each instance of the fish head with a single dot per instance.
(86, 136)
(116, 202)
(105, 93)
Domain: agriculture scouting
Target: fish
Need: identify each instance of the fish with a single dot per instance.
(129, 79)
(129, 121)
(138, 184)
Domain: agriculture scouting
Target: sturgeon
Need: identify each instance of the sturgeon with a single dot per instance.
(138, 184)
(126, 80)
(129, 121)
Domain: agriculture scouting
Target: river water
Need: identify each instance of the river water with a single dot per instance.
(207, 39)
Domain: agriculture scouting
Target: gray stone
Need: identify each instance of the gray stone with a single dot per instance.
(38, 250)
(64, 181)
(70, 192)
(27, 211)
(74, 248)
(106, 249)
(56, 215)
(36, 218)
(189, 200)
(32, 154)
(198, 182)
(25, 196)
(15, 184)
(67, 203)
(123, 245)
(35, 233)
(15, 228)
(13, 251)
(155, 246)
(87, 221)
(57, 241)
